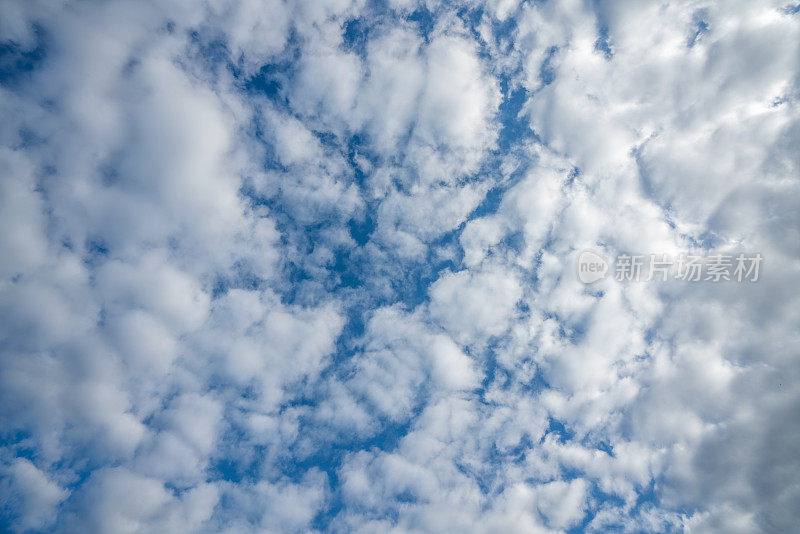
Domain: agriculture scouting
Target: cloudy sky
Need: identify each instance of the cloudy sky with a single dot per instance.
(310, 265)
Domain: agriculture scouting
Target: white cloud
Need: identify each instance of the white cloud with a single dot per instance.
(30, 496)
(257, 31)
(473, 306)
(118, 500)
(337, 305)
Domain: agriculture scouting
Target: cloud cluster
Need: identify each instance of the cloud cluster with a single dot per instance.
(297, 266)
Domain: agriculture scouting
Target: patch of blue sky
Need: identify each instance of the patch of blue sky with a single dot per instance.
(603, 42)
(701, 28)
(18, 62)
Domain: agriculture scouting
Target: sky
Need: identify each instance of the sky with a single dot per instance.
(313, 266)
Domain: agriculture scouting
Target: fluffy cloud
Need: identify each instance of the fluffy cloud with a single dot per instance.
(278, 267)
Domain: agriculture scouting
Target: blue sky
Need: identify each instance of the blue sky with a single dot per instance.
(274, 266)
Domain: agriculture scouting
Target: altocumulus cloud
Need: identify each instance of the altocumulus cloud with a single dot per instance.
(273, 266)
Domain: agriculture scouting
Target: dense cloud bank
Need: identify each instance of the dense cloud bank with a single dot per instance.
(275, 266)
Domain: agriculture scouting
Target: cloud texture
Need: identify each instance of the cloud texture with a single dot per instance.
(274, 266)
